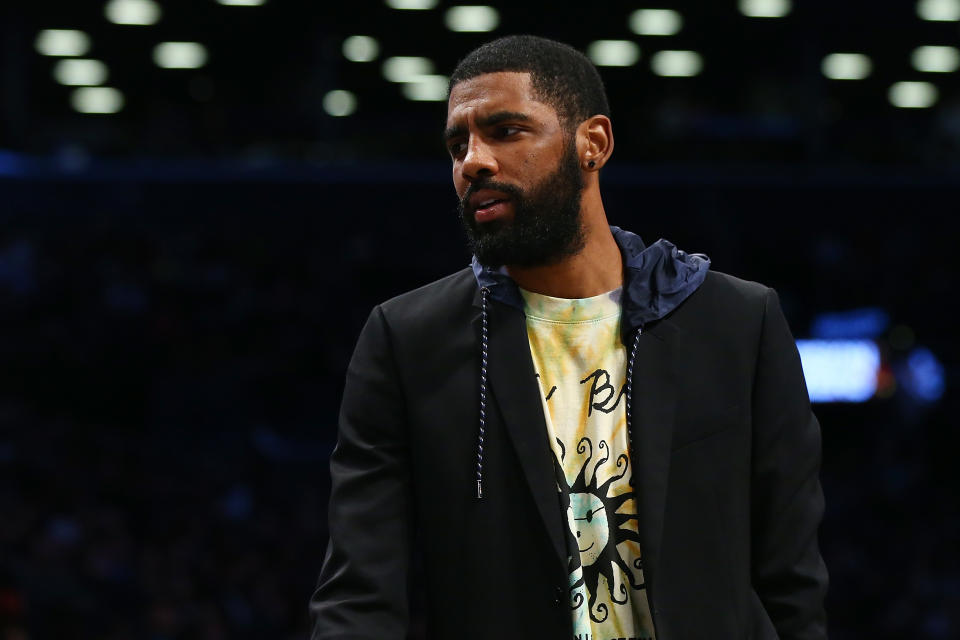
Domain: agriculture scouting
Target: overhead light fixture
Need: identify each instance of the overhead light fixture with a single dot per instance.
(406, 68)
(180, 55)
(80, 72)
(765, 8)
(134, 12)
(682, 64)
(412, 5)
(360, 49)
(97, 100)
(846, 66)
(939, 10)
(613, 53)
(471, 18)
(242, 3)
(912, 95)
(426, 88)
(655, 22)
(931, 59)
(62, 42)
(339, 103)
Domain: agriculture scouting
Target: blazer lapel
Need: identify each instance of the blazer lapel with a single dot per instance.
(654, 403)
(515, 391)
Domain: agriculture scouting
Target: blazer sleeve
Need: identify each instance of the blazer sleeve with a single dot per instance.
(362, 588)
(788, 572)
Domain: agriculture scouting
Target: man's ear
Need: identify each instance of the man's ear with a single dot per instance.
(594, 142)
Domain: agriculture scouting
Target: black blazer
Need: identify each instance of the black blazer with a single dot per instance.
(727, 456)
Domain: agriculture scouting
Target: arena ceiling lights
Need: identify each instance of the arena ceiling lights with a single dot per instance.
(417, 75)
(913, 95)
(765, 8)
(426, 88)
(361, 49)
(101, 100)
(62, 42)
(676, 64)
(339, 103)
(613, 53)
(846, 66)
(368, 66)
(180, 55)
(939, 10)
(80, 72)
(471, 19)
(88, 74)
(932, 59)
(412, 5)
(132, 12)
(655, 22)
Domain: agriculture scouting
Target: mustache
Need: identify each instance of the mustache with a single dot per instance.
(513, 191)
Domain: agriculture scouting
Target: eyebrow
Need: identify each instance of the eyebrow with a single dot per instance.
(487, 121)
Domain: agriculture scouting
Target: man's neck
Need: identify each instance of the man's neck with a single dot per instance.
(596, 269)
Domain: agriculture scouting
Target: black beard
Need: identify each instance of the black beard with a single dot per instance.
(546, 225)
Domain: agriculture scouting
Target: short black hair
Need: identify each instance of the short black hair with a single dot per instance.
(560, 75)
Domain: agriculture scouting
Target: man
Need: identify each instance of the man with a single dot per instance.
(585, 437)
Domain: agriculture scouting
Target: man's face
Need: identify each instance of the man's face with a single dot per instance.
(516, 171)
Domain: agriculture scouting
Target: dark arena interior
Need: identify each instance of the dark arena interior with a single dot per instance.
(200, 202)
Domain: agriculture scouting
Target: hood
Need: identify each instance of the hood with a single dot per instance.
(656, 279)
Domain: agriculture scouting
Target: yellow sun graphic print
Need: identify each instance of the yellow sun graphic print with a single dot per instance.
(581, 367)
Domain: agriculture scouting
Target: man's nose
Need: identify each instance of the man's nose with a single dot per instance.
(479, 161)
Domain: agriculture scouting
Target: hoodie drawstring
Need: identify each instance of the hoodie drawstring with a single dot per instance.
(484, 341)
(630, 361)
(484, 344)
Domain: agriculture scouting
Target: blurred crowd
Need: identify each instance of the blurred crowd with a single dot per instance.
(165, 420)
(112, 533)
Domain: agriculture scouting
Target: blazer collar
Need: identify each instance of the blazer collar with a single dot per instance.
(653, 410)
(513, 389)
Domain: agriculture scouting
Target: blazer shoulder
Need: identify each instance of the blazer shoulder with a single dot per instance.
(724, 293)
(433, 305)
(725, 285)
(724, 303)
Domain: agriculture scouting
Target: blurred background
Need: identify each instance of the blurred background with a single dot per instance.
(201, 201)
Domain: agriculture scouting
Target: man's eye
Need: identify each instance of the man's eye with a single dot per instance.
(505, 132)
(456, 148)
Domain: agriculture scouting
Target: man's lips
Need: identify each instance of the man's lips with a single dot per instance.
(489, 204)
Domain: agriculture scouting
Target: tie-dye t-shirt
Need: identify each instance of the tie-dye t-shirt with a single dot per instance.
(581, 365)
